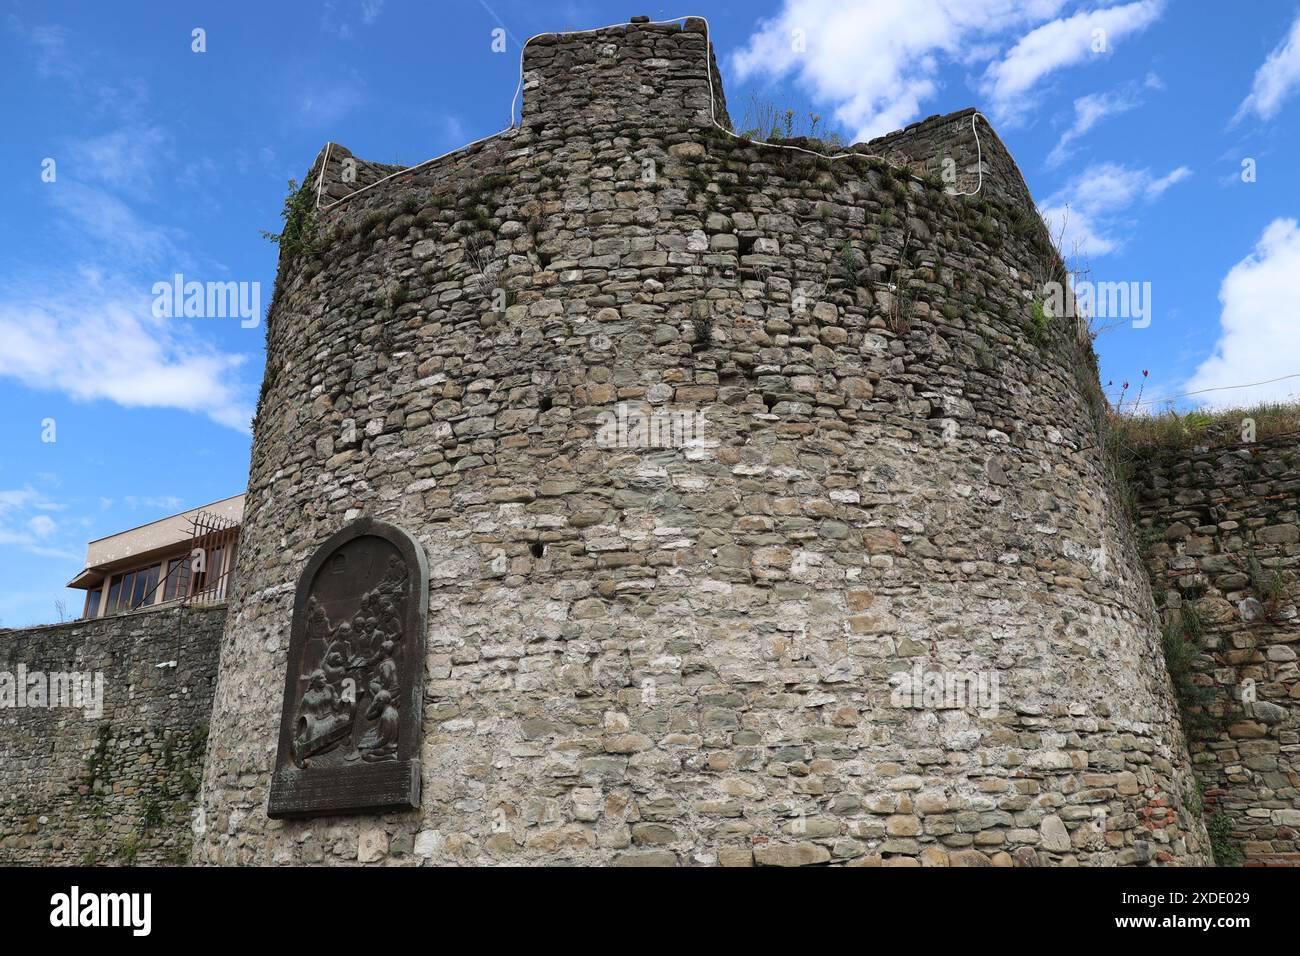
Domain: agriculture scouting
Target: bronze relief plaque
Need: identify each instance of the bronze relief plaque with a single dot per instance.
(350, 721)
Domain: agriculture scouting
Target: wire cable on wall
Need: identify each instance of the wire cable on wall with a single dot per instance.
(513, 128)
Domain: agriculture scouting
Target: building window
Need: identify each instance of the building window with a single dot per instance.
(210, 576)
(146, 583)
(178, 579)
(92, 603)
(124, 596)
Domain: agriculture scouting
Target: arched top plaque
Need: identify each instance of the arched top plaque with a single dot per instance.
(350, 718)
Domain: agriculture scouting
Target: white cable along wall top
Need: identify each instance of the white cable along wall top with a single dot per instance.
(513, 128)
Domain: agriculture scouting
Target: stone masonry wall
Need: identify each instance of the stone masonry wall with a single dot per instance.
(689, 654)
(924, 147)
(1222, 536)
(119, 788)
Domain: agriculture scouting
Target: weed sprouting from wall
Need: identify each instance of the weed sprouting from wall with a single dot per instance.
(1042, 320)
(1226, 851)
(1268, 585)
(299, 216)
(764, 121)
(1182, 642)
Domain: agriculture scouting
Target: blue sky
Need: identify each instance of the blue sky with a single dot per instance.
(167, 160)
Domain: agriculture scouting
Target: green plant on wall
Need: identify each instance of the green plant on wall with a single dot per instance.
(1042, 319)
(1193, 423)
(1225, 849)
(151, 814)
(765, 120)
(198, 741)
(129, 849)
(97, 764)
(299, 215)
(850, 265)
(1182, 644)
(1268, 587)
(1196, 798)
(188, 782)
(702, 323)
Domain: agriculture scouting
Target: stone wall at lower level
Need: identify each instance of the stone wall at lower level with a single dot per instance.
(112, 780)
(1221, 531)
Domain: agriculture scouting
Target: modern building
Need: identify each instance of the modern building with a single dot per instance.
(187, 557)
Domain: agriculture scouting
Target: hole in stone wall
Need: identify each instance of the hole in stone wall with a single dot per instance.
(537, 548)
(545, 403)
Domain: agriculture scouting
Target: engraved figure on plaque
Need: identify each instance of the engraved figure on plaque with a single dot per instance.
(350, 719)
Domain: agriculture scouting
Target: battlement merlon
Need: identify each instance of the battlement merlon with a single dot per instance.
(649, 75)
(344, 173)
(927, 145)
(652, 76)
(641, 74)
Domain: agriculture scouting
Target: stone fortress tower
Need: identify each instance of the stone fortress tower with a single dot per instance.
(714, 449)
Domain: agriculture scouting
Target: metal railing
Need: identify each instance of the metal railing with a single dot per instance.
(203, 575)
(212, 557)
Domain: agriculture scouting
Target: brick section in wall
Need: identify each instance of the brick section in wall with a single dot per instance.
(1221, 532)
(119, 788)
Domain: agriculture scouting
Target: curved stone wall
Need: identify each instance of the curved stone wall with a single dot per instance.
(691, 646)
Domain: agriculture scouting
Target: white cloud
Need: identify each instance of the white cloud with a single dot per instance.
(111, 224)
(878, 61)
(325, 102)
(340, 21)
(27, 497)
(1259, 338)
(1087, 215)
(25, 523)
(125, 158)
(161, 502)
(125, 97)
(92, 338)
(1010, 82)
(1092, 109)
(42, 526)
(1077, 232)
(50, 44)
(1276, 80)
(1155, 187)
(453, 130)
(91, 335)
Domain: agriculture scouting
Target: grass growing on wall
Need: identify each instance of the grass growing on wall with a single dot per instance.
(1168, 429)
(299, 216)
(1225, 849)
(1182, 643)
(764, 120)
(1133, 438)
